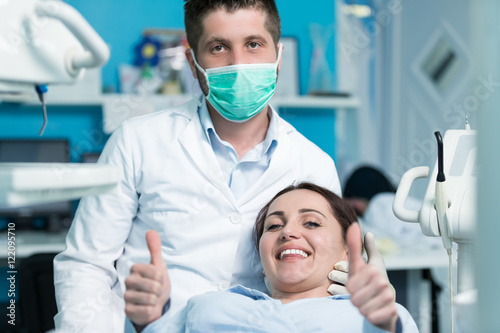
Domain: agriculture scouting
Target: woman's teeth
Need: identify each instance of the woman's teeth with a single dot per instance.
(293, 251)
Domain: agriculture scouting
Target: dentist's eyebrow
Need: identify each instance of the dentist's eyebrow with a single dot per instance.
(256, 37)
(307, 210)
(216, 39)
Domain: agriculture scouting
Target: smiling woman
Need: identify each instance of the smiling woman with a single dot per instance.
(300, 234)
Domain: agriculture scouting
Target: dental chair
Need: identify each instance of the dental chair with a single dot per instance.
(37, 302)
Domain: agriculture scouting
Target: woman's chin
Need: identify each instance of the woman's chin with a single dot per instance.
(293, 285)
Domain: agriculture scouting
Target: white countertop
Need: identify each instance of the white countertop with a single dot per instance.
(413, 258)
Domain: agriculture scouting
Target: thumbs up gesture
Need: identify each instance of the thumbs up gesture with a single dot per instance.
(370, 289)
(148, 286)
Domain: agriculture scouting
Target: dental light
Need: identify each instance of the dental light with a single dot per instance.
(45, 42)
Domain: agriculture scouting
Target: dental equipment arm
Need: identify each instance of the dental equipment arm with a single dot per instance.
(441, 207)
(442, 197)
(448, 211)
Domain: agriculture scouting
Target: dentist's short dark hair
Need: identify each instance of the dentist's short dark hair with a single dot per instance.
(195, 11)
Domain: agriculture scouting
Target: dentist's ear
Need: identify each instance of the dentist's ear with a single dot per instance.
(189, 57)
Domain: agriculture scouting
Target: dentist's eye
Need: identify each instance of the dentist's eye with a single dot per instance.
(218, 48)
(312, 224)
(253, 45)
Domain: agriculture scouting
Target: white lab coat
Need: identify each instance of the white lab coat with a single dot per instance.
(171, 182)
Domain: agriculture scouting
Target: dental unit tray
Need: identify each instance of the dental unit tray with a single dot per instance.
(24, 184)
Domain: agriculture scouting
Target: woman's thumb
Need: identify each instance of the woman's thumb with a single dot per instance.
(355, 248)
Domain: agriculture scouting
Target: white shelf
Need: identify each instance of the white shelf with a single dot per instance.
(52, 99)
(117, 108)
(32, 99)
(322, 102)
(24, 184)
(281, 101)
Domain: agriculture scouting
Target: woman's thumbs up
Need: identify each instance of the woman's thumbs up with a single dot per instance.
(370, 289)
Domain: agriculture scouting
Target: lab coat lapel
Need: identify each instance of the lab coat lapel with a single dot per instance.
(197, 148)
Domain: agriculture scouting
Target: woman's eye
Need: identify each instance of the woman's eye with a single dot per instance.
(274, 226)
(312, 224)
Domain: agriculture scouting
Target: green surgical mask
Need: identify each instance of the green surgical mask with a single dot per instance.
(239, 92)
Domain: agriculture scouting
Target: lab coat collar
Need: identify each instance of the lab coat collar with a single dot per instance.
(197, 146)
(205, 120)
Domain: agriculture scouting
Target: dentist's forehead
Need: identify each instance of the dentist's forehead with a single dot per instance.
(221, 23)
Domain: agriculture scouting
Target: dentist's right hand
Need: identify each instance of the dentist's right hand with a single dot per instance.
(148, 286)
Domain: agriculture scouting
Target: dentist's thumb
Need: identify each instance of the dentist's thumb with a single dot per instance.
(154, 245)
(355, 248)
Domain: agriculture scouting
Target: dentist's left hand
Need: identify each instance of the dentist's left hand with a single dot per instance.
(148, 286)
(339, 275)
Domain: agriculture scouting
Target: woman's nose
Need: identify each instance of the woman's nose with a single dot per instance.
(289, 232)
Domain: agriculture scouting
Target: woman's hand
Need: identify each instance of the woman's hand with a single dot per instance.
(148, 286)
(370, 289)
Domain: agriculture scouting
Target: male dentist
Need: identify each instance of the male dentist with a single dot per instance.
(197, 174)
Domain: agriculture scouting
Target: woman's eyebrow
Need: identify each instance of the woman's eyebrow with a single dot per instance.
(278, 213)
(307, 210)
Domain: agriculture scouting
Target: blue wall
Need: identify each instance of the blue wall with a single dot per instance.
(81, 125)
(120, 23)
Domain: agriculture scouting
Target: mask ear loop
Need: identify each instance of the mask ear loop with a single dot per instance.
(280, 51)
(201, 70)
